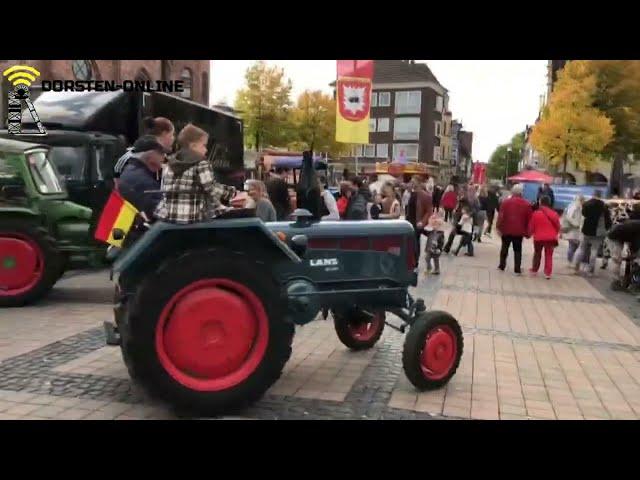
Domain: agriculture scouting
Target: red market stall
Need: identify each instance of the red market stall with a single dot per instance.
(531, 176)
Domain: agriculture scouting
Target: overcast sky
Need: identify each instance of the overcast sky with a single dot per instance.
(494, 99)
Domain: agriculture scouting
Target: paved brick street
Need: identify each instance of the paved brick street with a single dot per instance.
(566, 348)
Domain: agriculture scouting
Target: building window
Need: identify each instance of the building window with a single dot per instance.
(408, 102)
(205, 88)
(439, 103)
(82, 69)
(406, 150)
(383, 124)
(382, 150)
(372, 125)
(374, 99)
(436, 154)
(384, 99)
(438, 128)
(406, 128)
(187, 80)
(369, 151)
(357, 151)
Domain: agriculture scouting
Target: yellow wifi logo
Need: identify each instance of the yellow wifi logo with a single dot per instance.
(21, 75)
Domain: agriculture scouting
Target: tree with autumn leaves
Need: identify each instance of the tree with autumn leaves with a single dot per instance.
(272, 120)
(593, 113)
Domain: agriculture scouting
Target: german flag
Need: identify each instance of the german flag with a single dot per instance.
(117, 213)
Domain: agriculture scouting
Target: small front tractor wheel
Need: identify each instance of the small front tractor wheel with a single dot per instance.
(206, 332)
(30, 263)
(358, 329)
(432, 350)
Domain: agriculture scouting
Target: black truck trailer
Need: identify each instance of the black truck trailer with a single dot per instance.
(89, 131)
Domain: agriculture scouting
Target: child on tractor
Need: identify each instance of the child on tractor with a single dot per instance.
(191, 193)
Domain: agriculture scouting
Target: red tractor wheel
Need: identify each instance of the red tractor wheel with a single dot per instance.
(358, 329)
(30, 263)
(206, 332)
(432, 350)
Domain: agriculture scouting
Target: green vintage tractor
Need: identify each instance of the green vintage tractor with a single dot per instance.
(42, 234)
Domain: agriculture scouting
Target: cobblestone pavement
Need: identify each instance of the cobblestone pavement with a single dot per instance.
(566, 348)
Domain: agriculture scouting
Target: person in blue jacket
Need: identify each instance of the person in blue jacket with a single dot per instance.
(141, 174)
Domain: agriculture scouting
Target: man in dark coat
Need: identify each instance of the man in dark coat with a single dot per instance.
(140, 175)
(308, 193)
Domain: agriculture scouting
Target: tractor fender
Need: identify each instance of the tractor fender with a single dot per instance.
(19, 213)
(247, 236)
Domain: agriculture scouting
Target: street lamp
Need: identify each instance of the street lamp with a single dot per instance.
(506, 166)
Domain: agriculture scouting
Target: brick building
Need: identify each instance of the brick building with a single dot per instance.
(194, 73)
(406, 121)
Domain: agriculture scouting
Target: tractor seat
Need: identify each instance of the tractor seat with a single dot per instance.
(238, 213)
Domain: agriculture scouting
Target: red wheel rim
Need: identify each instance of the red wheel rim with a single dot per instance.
(439, 352)
(212, 335)
(21, 264)
(365, 331)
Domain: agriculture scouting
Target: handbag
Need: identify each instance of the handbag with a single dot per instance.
(555, 244)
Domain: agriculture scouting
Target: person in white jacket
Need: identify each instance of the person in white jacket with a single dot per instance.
(570, 225)
(329, 202)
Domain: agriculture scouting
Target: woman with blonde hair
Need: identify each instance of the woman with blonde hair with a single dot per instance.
(391, 209)
(258, 193)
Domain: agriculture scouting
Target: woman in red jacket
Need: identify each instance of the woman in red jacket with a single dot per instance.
(544, 227)
(448, 202)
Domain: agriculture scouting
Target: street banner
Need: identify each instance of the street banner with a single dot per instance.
(354, 82)
(117, 213)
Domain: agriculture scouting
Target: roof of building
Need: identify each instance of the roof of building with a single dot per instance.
(401, 71)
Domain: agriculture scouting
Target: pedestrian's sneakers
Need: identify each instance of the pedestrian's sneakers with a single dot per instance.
(436, 272)
(532, 272)
(519, 274)
(548, 277)
(468, 254)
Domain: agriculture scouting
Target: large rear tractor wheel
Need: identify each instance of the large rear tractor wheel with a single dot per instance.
(206, 332)
(359, 329)
(432, 350)
(30, 263)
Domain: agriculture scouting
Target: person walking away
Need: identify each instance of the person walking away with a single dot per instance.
(278, 191)
(329, 204)
(466, 230)
(570, 225)
(492, 204)
(191, 193)
(164, 132)
(263, 206)
(308, 189)
(391, 209)
(455, 230)
(343, 202)
(482, 212)
(544, 227)
(627, 232)
(513, 224)
(140, 175)
(437, 197)
(448, 202)
(419, 210)
(546, 190)
(358, 201)
(596, 223)
(434, 232)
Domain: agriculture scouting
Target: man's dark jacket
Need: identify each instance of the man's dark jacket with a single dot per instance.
(593, 211)
(134, 181)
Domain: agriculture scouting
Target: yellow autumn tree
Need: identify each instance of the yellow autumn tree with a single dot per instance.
(571, 127)
(313, 121)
